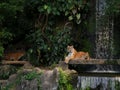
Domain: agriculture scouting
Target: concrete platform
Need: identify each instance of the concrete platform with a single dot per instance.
(13, 62)
(95, 66)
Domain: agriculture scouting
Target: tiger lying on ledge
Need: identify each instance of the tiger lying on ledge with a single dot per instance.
(14, 56)
(73, 54)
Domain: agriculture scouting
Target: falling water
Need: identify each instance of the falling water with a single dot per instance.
(104, 32)
(104, 50)
(103, 83)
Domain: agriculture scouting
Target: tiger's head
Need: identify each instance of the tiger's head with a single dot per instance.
(70, 49)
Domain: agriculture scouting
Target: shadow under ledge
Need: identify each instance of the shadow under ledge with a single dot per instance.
(98, 67)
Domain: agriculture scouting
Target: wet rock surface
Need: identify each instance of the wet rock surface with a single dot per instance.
(49, 80)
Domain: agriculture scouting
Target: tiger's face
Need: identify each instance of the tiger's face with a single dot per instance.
(70, 49)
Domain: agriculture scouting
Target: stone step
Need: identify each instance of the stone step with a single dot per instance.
(3, 81)
(13, 62)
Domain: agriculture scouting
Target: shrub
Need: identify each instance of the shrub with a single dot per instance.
(51, 51)
(64, 81)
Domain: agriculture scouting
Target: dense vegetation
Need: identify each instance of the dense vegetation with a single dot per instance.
(41, 27)
(44, 28)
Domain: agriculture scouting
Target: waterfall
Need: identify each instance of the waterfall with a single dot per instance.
(104, 32)
(98, 83)
(103, 50)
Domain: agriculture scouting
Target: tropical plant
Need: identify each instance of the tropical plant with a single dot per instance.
(51, 51)
(64, 81)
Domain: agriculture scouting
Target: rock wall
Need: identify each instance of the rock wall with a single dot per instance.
(36, 79)
(43, 80)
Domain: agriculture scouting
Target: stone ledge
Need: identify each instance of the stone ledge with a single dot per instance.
(95, 61)
(95, 66)
(3, 81)
(14, 62)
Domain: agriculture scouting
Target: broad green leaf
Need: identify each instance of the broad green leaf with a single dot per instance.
(45, 7)
(48, 10)
(78, 21)
(78, 16)
(70, 18)
(74, 11)
(58, 13)
(66, 13)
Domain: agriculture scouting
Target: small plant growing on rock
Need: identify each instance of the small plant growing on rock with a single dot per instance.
(30, 76)
(6, 71)
(23, 78)
(64, 79)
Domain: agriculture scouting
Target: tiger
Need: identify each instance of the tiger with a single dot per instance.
(14, 56)
(73, 54)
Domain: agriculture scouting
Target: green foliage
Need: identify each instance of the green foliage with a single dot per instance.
(87, 45)
(49, 40)
(64, 81)
(50, 51)
(28, 76)
(38, 24)
(12, 21)
(8, 87)
(1, 51)
(113, 6)
(117, 85)
(9, 10)
(5, 36)
(70, 8)
(8, 17)
(21, 77)
(6, 71)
